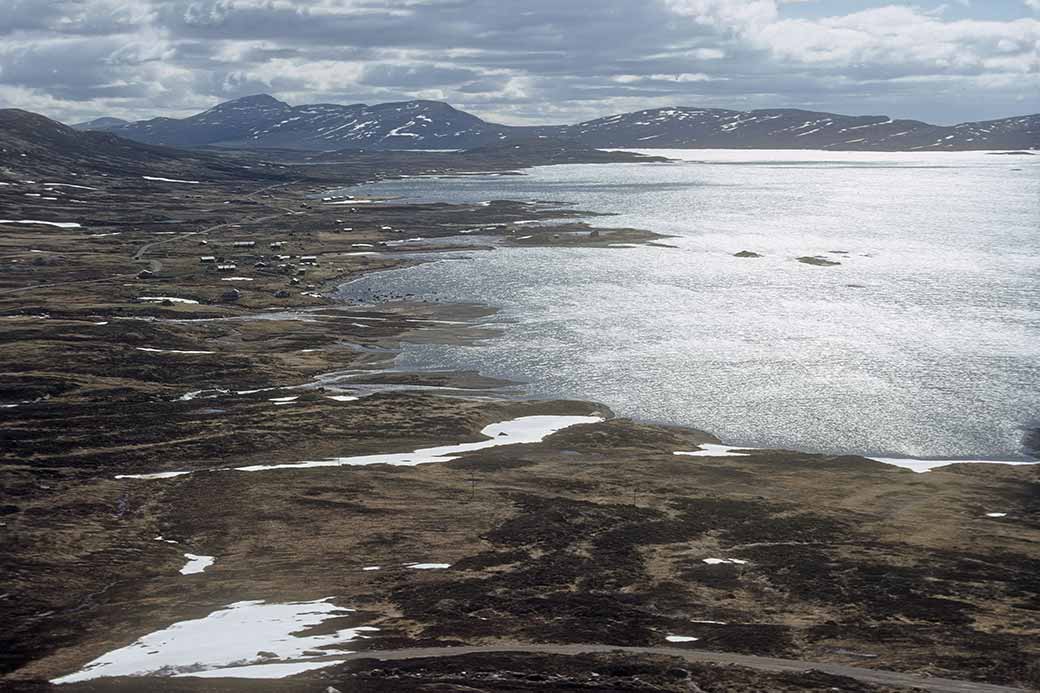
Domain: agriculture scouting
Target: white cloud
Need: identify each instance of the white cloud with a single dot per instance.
(531, 61)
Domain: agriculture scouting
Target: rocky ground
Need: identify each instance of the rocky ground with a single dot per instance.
(124, 353)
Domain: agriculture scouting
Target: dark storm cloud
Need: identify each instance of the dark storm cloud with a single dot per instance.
(528, 60)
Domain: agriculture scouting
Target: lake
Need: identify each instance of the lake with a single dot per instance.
(923, 342)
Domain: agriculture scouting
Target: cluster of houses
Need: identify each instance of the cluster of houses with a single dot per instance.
(284, 267)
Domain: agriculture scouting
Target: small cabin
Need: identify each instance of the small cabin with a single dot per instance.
(227, 268)
(277, 244)
(245, 244)
(312, 259)
(207, 259)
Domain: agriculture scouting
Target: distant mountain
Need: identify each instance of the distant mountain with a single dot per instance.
(105, 123)
(700, 128)
(265, 122)
(33, 146)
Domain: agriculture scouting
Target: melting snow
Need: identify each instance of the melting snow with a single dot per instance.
(69, 185)
(59, 224)
(171, 180)
(171, 299)
(713, 450)
(681, 638)
(920, 466)
(173, 351)
(228, 642)
(428, 566)
(996, 514)
(526, 429)
(196, 564)
(719, 561)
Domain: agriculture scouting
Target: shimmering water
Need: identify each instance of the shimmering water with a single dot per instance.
(924, 341)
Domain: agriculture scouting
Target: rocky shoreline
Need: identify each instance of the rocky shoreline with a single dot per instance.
(125, 352)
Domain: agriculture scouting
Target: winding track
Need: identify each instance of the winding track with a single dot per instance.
(879, 677)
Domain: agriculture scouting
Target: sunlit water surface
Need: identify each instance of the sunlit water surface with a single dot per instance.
(923, 342)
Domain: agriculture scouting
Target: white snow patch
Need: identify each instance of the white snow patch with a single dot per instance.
(171, 180)
(196, 564)
(342, 398)
(171, 299)
(194, 394)
(173, 351)
(155, 475)
(69, 185)
(228, 642)
(996, 514)
(526, 429)
(713, 450)
(59, 224)
(429, 566)
(720, 561)
(681, 638)
(921, 465)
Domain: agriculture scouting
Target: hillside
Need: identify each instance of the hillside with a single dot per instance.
(33, 146)
(265, 122)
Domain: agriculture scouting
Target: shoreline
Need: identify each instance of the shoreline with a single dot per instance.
(920, 464)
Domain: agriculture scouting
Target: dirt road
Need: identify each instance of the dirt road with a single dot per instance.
(874, 676)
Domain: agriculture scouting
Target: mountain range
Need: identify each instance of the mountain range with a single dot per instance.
(263, 121)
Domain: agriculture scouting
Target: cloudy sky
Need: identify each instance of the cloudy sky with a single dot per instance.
(524, 61)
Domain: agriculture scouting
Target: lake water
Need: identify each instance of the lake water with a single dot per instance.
(923, 342)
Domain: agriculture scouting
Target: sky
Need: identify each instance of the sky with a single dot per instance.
(524, 61)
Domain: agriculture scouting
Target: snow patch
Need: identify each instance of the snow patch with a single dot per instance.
(526, 429)
(196, 564)
(171, 180)
(229, 642)
(59, 224)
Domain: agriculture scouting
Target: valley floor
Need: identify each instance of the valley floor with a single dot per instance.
(124, 353)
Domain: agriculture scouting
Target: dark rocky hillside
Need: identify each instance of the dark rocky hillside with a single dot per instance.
(32, 146)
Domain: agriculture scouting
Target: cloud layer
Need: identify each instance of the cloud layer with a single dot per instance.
(526, 61)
